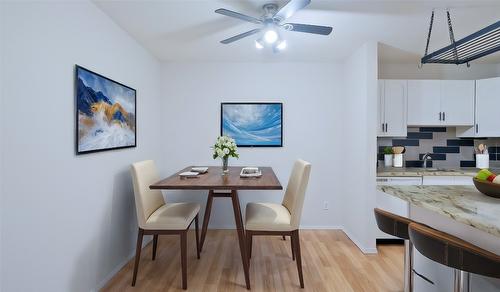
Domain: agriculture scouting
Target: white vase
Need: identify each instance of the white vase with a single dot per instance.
(398, 160)
(387, 160)
(482, 161)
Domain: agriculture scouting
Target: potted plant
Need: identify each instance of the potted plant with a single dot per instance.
(224, 148)
(388, 154)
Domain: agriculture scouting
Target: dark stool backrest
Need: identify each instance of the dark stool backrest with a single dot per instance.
(392, 224)
(453, 252)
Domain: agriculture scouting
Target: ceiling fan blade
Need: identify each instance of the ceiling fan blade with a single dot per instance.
(308, 28)
(238, 15)
(290, 8)
(240, 36)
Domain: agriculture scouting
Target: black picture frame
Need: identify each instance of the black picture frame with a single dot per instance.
(77, 126)
(252, 103)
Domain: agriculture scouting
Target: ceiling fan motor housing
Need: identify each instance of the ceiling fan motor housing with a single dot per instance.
(270, 10)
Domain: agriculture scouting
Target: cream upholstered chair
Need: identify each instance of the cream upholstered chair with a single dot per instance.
(281, 219)
(156, 217)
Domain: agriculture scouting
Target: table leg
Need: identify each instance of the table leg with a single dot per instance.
(241, 235)
(206, 218)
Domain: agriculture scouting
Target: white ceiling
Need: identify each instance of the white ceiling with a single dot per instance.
(189, 30)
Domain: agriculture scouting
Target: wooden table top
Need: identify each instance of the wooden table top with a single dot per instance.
(214, 180)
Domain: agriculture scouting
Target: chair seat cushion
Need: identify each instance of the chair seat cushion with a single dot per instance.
(174, 216)
(267, 217)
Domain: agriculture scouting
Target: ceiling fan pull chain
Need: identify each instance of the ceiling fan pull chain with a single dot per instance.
(452, 36)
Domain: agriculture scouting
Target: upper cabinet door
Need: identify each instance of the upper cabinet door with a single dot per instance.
(487, 101)
(380, 108)
(424, 102)
(457, 102)
(395, 99)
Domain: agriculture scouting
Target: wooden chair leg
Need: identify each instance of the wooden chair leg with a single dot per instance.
(249, 245)
(293, 250)
(138, 249)
(184, 259)
(296, 245)
(197, 236)
(155, 244)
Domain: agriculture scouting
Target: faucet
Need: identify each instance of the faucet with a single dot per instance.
(427, 156)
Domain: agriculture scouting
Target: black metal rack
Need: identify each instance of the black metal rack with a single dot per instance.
(477, 45)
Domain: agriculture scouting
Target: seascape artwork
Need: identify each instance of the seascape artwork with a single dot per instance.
(253, 124)
(106, 113)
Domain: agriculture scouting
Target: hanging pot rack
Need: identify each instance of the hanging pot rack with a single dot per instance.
(479, 44)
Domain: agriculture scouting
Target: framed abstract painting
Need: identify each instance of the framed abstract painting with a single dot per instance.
(255, 124)
(105, 113)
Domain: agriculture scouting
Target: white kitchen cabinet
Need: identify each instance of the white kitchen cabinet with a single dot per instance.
(392, 204)
(441, 180)
(392, 107)
(424, 102)
(457, 102)
(380, 109)
(440, 102)
(487, 119)
(438, 277)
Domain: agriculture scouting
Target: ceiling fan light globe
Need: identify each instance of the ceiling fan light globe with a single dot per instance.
(281, 45)
(258, 45)
(270, 36)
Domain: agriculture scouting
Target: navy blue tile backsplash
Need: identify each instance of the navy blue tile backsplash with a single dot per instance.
(447, 151)
(460, 142)
(419, 135)
(405, 142)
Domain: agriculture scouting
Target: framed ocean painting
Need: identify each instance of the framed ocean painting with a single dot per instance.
(105, 113)
(253, 124)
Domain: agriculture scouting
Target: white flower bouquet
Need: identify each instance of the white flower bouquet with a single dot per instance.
(224, 148)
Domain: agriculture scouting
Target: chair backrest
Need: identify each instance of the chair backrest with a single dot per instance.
(392, 224)
(454, 252)
(147, 201)
(296, 190)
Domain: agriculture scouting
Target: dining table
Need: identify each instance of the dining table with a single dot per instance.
(223, 185)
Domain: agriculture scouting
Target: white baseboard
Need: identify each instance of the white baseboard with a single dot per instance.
(118, 267)
(365, 250)
(319, 227)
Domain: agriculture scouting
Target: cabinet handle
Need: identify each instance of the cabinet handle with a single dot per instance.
(477, 128)
(386, 127)
(382, 127)
(444, 116)
(440, 116)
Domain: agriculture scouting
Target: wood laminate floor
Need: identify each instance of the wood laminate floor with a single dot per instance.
(331, 262)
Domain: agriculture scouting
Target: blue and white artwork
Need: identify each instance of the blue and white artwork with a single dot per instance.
(105, 113)
(253, 124)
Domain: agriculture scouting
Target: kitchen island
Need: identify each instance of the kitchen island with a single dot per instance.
(458, 210)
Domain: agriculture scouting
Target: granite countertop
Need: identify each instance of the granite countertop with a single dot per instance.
(415, 171)
(464, 204)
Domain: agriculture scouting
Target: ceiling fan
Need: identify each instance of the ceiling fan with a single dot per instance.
(272, 22)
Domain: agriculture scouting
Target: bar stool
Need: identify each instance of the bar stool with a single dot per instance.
(397, 226)
(455, 253)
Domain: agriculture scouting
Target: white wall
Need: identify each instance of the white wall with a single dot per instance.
(67, 221)
(312, 96)
(438, 71)
(1, 134)
(359, 137)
